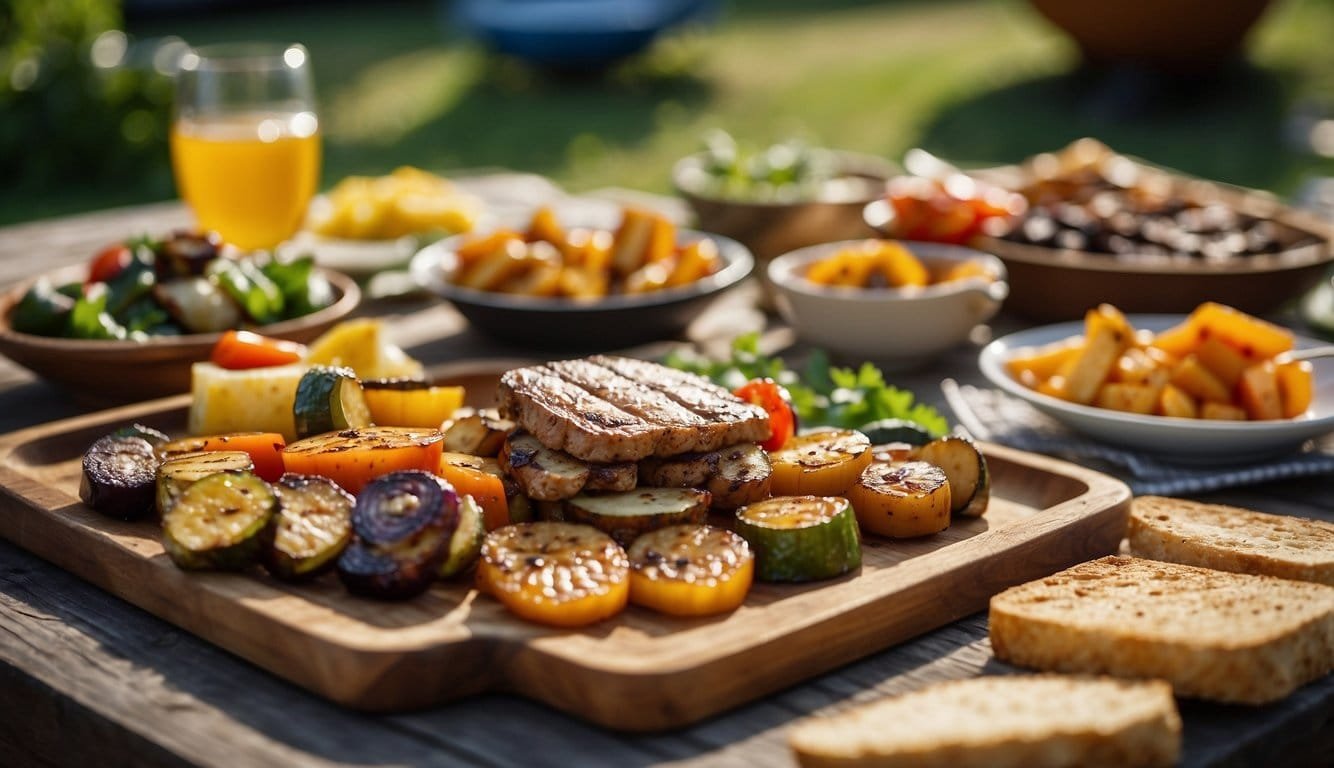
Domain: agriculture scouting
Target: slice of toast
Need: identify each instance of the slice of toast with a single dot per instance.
(1213, 635)
(1232, 539)
(1033, 721)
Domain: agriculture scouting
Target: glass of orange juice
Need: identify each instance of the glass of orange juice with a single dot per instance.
(245, 140)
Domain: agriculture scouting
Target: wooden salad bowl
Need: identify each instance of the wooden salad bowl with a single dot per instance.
(127, 371)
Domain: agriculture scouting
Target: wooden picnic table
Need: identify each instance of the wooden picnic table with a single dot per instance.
(86, 678)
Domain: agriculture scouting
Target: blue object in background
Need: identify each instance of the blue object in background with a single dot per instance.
(575, 34)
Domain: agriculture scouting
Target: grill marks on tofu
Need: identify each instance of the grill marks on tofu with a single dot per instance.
(611, 409)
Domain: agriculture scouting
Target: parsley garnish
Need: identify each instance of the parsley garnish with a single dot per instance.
(822, 394)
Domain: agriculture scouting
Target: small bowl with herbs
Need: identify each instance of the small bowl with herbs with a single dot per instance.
(780, 198)
(127, 325)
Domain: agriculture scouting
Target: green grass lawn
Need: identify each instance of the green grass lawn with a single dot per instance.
(977, 82)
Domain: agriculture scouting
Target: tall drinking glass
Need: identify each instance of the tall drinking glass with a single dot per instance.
(245, 140)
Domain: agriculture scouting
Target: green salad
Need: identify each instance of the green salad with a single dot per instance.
(848, 398)
(185, 283)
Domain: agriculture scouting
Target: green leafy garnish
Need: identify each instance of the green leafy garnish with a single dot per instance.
(824, 395)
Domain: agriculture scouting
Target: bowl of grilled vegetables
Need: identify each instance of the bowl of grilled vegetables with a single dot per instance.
(553, 286)
(127, 325)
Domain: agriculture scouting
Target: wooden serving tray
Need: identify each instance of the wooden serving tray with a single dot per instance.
(638, 671)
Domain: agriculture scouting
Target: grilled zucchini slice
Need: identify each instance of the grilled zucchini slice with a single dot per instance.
(801, 538)
(690, 570)
(119, 477)
(902, 500)
(624, 516)
(895, 431)
(466, 544)
(966, 468)
(313, 526)
(221, 522)
(820, 463)
(177, 473)
(329, 399)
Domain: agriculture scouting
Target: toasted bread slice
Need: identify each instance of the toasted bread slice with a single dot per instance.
(1038, 721)
(1213, 635)
(1232, 539)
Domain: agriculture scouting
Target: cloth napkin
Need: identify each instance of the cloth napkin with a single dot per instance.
(990, 414)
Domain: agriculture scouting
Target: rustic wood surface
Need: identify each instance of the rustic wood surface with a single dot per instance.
(86, 678)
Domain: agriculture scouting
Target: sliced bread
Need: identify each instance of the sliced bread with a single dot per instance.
(1037, 721)
(1232, 539)
(1213, 635)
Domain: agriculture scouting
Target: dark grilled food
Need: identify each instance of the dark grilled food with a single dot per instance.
(610, 409)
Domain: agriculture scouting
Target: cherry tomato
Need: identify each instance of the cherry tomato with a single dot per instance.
(108, 263)
(239, 350)
(772, 397)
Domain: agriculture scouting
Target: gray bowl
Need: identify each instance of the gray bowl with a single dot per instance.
(560, 324)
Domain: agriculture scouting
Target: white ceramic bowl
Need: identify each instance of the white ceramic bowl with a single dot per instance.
(1183, 441)
(896, 328)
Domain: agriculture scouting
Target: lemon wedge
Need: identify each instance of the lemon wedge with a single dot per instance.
(363, 346)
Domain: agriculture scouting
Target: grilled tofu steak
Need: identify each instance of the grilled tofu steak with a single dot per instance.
(611, 409)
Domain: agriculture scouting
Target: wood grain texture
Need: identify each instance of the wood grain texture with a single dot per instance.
(87, 679)
(450, 643)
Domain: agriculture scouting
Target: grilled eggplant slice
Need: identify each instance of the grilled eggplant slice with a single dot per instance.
(403, 523)
(119, 477)
(624, 516)
(820, 463)
(801, 538)
(155, 437)
(329, 399)
(902, 500)
(221, 522)
(481, 433)
(177, 473)
(466, 543)
(690, 570)
(314, 525)
(966, 468)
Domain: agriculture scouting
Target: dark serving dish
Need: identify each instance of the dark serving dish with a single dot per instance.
(565, 324)
(1049, 283)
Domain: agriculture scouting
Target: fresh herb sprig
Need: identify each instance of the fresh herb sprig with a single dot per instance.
(822, 395)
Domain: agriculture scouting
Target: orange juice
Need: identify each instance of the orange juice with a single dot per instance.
(248, 176)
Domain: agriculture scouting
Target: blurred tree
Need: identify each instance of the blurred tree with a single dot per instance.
(75, 110)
